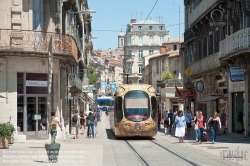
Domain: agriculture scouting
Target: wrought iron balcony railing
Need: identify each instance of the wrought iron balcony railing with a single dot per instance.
(188, 34)
(236, 41)
(75, 81)
(173, 83)
(28, 43)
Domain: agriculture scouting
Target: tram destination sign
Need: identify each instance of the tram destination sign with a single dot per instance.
(237, 74)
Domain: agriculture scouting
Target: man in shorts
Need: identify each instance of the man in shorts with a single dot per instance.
(188, 116)
(75, 123)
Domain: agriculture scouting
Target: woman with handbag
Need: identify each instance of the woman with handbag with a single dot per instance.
(214, 124)
(201, 125)
(196, 125)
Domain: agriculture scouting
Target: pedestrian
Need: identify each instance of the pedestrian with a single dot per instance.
(201, 126)
(166, 123)
(214, 124)
(75, 123)
(196, 126)
(98, 116)
(174, 116)
(170, 115)
(82, 121)
(53, 126)
(159, 119)
(91, 123)
(188, 116)
(223, 118)
(180, 122)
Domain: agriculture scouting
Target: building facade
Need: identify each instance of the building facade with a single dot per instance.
(215, 40)
(141, 38)
(29, 78)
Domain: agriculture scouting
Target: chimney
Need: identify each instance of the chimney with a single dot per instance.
(99, 54)
(133, 21)
(163, 50)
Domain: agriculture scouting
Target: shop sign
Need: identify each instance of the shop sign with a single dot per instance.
(85, 89)
(217, 92)
(237, 74)
(236, 86)
(36, 83)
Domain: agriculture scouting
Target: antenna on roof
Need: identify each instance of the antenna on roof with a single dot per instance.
(141, 14)
(159, 18)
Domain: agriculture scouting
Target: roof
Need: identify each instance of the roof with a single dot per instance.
(174, 40)
(147, 22)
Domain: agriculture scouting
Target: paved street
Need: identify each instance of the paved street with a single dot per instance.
(106, 150)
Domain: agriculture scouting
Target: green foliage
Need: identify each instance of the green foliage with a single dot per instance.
(92, 76)
(6, 130)
(167, 76)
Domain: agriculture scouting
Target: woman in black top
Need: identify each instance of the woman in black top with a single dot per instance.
(215, 125)
(166, 123)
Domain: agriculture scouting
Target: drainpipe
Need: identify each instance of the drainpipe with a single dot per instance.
(6, 59)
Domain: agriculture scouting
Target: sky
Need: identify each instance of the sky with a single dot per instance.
(113, 15)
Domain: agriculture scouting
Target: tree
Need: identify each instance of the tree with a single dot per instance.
(167, 76)
(92, 76)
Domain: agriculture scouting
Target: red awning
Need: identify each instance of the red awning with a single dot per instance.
(185, 95)
(208, 99)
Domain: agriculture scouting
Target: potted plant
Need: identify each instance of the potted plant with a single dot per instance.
(5, 132)
(11, 137)
(52, 150)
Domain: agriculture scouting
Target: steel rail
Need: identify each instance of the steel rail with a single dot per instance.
(138, 155)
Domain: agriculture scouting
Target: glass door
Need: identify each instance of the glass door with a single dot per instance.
(37, 117)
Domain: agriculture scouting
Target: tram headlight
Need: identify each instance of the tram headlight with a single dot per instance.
(151, 89)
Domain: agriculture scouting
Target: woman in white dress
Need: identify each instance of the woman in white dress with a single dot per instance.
(180, 122)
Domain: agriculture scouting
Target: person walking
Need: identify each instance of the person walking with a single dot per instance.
(159, 119)
(180, 122)
(53, 126)
(174, 116)
(196, 126)
(82, 121)
(166, 123)
(188, 116)
(201, 126)
(170, 115)
(75, 123)
(214, 124)
(91, 123)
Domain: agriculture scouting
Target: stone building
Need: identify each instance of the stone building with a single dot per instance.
(216, 37)
(32, 29)
(141, 38)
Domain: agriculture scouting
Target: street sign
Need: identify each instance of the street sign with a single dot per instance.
(237, 74)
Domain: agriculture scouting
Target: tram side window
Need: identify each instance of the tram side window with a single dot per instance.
(154, 107)
(119, 108)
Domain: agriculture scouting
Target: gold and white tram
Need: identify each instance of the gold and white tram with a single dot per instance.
(135, 111)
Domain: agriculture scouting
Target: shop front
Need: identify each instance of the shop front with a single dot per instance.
(32, 93)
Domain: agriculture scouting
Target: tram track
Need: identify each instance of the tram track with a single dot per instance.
(145, 160)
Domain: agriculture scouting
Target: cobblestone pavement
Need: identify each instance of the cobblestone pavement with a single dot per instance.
(106, 150)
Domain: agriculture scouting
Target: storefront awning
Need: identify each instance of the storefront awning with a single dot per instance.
(185, 95)
(83, 99)
(208, 99)
(89, 99)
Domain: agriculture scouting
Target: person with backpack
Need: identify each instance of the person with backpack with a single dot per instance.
(53, 126)
(75, 123)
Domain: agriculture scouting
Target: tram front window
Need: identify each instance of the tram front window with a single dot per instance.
(137, 106)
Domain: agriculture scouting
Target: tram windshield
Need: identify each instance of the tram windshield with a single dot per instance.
(136, 106)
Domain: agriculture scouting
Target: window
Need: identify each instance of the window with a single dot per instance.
(122, 42)
(129, 40)
(119, 109)
(175, 47)
(163, 64)
(139, 27)
(140, 53)
(129, 52)
(150, 40)
(139, 40)
(157, 67)
(151, 51)
(140, 68)
(150, 27)
(161, 39)
(161, 27)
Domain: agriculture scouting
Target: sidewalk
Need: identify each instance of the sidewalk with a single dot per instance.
(226, 147)
(82, 151)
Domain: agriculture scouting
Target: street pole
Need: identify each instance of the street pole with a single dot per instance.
(127, 77)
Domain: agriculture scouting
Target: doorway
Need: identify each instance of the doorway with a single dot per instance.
(37, 117)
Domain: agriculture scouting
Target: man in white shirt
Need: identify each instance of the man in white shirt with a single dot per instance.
(188, 116)
(75, 123)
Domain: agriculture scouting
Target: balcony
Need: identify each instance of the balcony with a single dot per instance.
(235, 44)
(202, 9)
(188, 35)
(206, 64)
(173, 83)
(75, 83)
(36, 44)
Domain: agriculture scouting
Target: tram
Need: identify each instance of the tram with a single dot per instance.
(135, 111)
